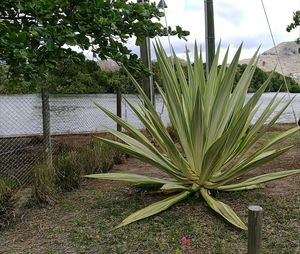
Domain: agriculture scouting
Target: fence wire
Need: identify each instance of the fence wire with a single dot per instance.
(21, 142)
(75, 118)
(21, 128)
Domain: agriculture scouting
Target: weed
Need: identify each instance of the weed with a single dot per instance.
(99, 157)
(68, 170)
(7, 202)
(43, 188)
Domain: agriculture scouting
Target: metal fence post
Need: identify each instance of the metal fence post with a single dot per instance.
(46, 123)
(119, 107)
(146, 59)
(209, 34)
(145, 51)
(254, 229)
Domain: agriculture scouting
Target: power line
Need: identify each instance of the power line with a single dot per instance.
(278, 60)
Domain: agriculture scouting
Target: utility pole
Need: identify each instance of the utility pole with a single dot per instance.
(209, 34)
(146, 59)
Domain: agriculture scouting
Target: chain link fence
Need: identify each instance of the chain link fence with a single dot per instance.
(21, 141)
(72, 118)
(75, 118)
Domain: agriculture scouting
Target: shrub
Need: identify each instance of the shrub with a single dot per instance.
(213, 121)
(98, 157)
(95, 157)
(107, 155)
(43, 188)
(68, 170)
(7, 201)
(65, 145)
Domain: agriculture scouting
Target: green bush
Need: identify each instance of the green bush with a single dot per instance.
(68, 171)
(43, 188)
(98, 157)
(7, 201)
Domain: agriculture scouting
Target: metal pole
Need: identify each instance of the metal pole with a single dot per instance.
(119, 107)
(162, 5)
(46, 123)
(209, 34)
(254, 229)
(146, 59)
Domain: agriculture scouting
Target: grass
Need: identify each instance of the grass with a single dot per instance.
(97, 157)
(68, 171)
(161, 234)
(8, 189)
(82, 220)
(43, 188)
(70, 162)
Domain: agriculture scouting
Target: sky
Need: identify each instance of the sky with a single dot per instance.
(236, 21)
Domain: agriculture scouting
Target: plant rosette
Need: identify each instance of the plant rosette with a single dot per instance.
(215, 130)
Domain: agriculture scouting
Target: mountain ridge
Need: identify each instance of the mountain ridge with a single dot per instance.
(289, 58)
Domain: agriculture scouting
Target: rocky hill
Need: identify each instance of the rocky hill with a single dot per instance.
(289, 58)
(108, 65)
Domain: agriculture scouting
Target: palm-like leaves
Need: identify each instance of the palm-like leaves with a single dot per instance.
(212, 120)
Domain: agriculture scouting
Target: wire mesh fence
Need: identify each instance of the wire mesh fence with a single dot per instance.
(75, 117)
(22, 143)
(22, 137)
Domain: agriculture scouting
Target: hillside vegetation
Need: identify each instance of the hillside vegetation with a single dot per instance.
(289, 60)
(87, 77)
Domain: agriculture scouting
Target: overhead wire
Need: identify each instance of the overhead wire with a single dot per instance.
(168, 35)
(278, 59)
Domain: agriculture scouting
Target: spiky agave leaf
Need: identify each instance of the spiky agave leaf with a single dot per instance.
(213, 122)
(154, 208)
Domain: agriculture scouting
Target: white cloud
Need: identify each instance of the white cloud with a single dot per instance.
(236, 21)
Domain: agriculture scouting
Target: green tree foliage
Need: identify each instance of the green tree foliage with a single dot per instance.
(82, 77)
(34, 34)
(276, 83)
(86, 77)
(119, 79)
(9, 85)
(294, 24)
(259, 77)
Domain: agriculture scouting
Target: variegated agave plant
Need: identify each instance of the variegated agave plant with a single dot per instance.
(212, 119)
